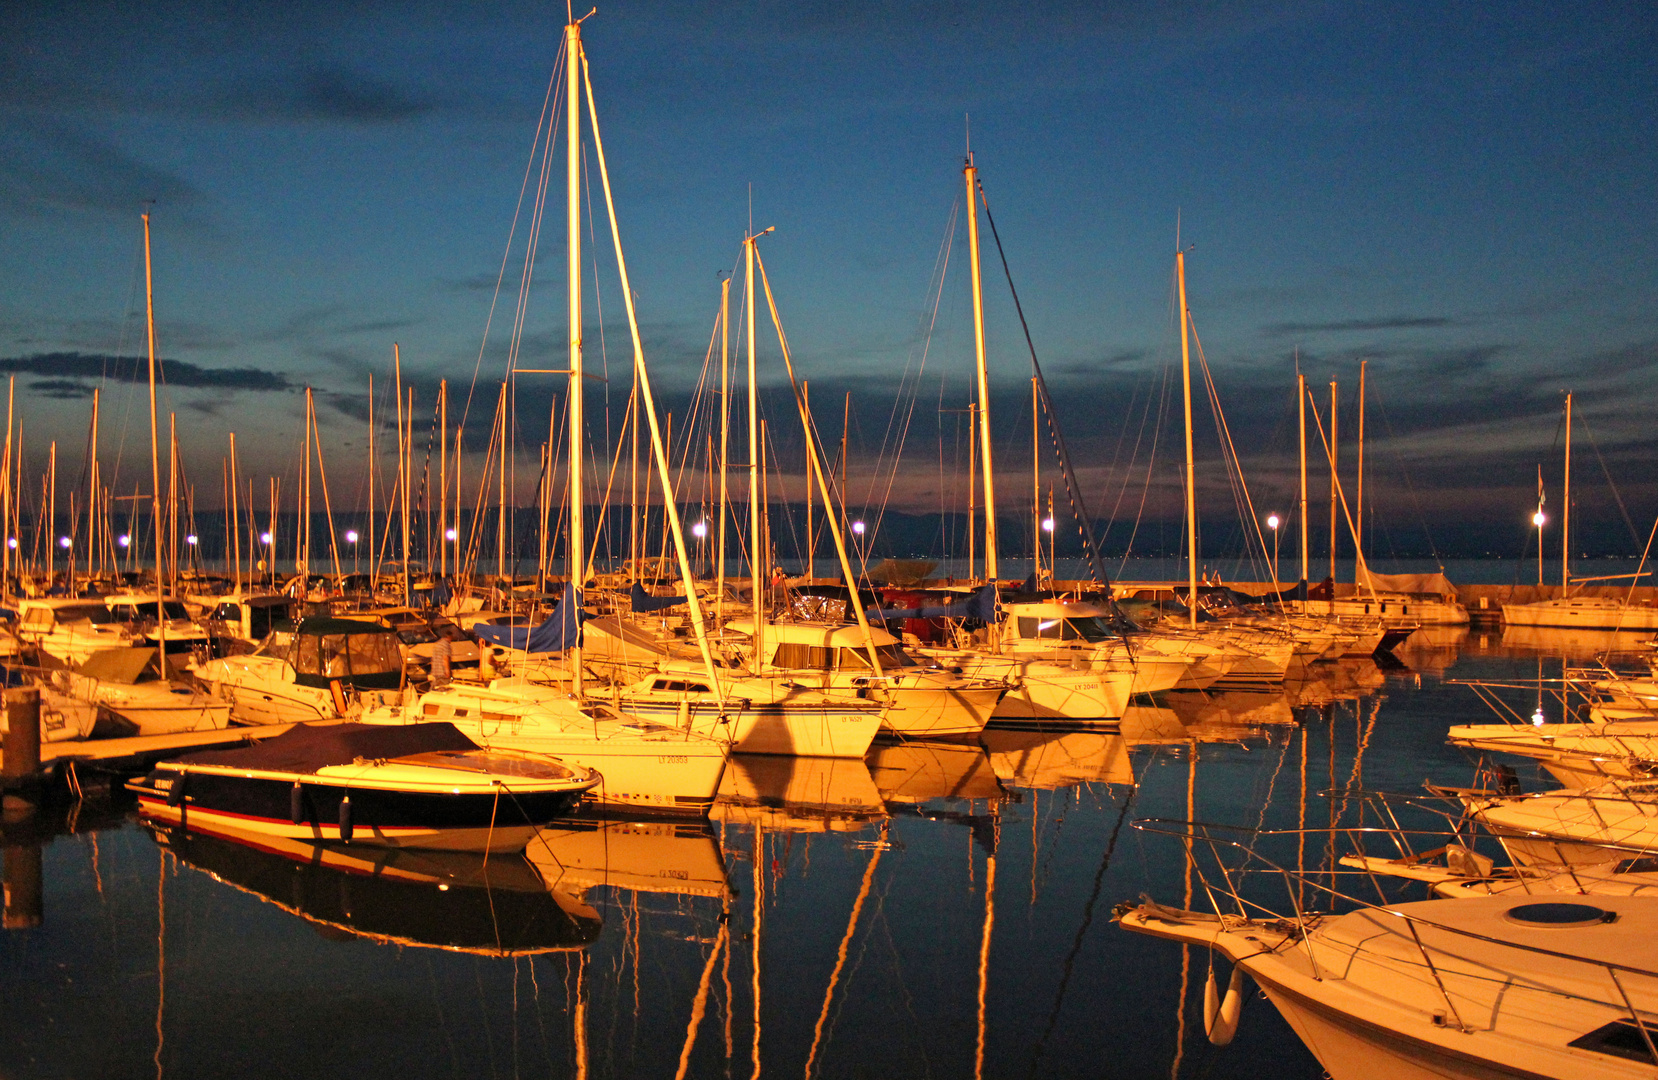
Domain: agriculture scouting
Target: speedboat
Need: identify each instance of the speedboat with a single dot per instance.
(322, 670)
(415, 785)
(1497, 986)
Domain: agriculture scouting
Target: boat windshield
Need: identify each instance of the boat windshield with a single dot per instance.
(338, 656)
(138, 611)
(891, 656)
(1075, 628)
(96, 614)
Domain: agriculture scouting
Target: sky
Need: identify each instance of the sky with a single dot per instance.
(1459, 194)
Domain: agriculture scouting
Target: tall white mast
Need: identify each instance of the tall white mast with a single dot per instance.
(971, 174)
(756, 574)
(155, 449)
(1335, 491)
(1358, 510)
(1566, 506)
(1306, 555)
(1191, 478)
(576, 559)
(725, 443)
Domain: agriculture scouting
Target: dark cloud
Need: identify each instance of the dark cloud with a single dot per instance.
(1341, 326)
(337, 93)
(61, 389)
(54, 168)
(63, 367)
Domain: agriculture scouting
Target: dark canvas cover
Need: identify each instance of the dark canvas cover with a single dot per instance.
(307, 747)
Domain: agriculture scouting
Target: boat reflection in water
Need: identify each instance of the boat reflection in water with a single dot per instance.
(915, 772)
(679, 858)
(1571, 644)
(457, 901)
(798, 794)
(1051, 760)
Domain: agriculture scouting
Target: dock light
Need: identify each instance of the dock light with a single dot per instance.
(124, 540)
(191, 539)
(264, 538)
(1538, 519)
(11, 542)
(351, 536)
(64, 542)
(449, 534)
(1047, 524)
(1537, 717)
(1272, 521)
(700, 529)
(858, 527)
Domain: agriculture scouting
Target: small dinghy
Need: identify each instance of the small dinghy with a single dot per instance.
(416, 785)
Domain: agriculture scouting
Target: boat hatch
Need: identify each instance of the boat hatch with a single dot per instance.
(1563, 915)
(496, 764)
(1620, 1038)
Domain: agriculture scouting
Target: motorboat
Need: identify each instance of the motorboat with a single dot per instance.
(1496, 986)
(1578, 755)
(414, 785)
(152, 621)
(645, 767)
(1615, 820)
(321, 670)
(241, 621)
(70, 630)
(131, 684)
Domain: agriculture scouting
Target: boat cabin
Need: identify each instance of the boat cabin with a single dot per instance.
(327, 652)
(817, 647)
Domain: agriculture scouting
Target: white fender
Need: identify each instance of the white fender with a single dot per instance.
(1220, 1015)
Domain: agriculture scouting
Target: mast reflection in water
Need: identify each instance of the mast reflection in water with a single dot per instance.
(932, 910)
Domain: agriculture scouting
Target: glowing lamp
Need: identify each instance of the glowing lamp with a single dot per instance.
(700, 529)
(449, 534)
(64, 542)
(351, 536)
(1272, 521)
(1047, 524)
(1538, 519)
(124, 540)
(191, 539)
(858, 527)
(264, 538)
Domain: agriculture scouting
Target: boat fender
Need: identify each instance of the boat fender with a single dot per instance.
(1220, 1015)
(296, 804)
(345, 820)
(175, 794)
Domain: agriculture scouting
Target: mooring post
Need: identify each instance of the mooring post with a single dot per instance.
(22, 874)
(20, 771)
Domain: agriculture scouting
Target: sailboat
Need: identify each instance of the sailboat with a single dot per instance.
(1570, 612)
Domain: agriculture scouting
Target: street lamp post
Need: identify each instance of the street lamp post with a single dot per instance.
(1272, 523)
(1539, 519)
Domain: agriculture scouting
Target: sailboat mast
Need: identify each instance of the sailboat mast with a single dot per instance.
(1306, 552)
(1335, 495)
(811, 546)
(1191, 478)
(6, 472)
(235, 513)
(725, 443)
(1036, 486)
(972, 487)
(971, 175)
(1358, 512)
(155, 444)
(373, 467)
(92, 497)
(51, 510)
(405, 441)
(1566, 507)
(576, 558)
(756, 574)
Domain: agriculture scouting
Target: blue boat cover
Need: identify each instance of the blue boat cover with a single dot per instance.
(980, 605)
(644, 602)
(561, 631)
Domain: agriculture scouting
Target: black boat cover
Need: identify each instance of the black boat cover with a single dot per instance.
(307, 748)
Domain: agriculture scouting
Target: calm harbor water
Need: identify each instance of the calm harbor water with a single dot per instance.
(930, 912)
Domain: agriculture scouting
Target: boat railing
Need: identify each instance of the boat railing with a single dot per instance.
(1223, 882)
